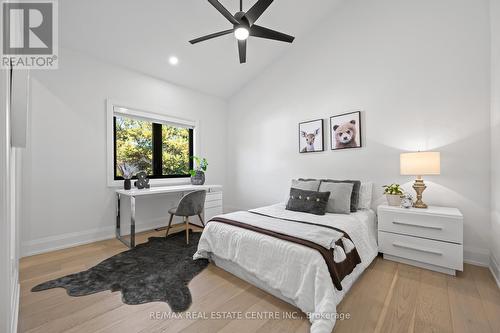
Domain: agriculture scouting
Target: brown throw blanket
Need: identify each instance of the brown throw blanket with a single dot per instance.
(338, 270)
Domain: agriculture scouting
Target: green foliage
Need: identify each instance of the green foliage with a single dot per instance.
(134, 144)
(394, 189)
(200, 164)
(175, 141)
(134, 147)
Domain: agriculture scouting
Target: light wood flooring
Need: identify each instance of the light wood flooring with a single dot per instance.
(388, 297)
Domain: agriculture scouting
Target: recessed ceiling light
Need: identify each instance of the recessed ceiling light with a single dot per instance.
(173, 60)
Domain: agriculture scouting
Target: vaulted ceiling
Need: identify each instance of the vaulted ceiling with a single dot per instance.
(142, 34)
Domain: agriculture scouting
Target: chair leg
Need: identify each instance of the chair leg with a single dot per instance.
(187, 230)
(169, 224)
(201, 219)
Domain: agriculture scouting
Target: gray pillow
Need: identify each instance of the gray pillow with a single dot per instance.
(306, 184)
(340, 197)
(355, 191)
(312, 202)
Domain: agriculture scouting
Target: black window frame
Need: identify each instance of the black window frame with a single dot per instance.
(157, 152)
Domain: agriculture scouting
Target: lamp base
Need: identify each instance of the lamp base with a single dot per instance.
(419, 187)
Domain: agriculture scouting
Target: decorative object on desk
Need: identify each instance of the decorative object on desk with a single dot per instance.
(406, 200)
(311, 136)
(158, 270)
(142, 180)
(198, 173)
(345, 130)
(127, 174)
(394, 194)
(420, 164)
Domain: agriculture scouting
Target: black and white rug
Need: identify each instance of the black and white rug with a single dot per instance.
(158, 270)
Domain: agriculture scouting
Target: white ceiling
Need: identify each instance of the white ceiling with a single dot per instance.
(143, 34)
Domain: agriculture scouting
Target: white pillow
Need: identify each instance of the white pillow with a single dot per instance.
(302, 184)
(306, 185)
(340, 197)
(365, 195)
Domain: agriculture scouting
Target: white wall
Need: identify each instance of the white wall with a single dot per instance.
(420, 72)
(495, 137)
(9, 218)
(66, 197)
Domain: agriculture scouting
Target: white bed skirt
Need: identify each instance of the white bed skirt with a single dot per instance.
(240, 272)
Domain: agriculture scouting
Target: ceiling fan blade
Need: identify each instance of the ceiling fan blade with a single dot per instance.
(242, 49)
(258, 31)
(216, 34)
(257, 10)
(224, 11)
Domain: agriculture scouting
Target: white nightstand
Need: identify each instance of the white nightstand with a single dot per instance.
(430, 238)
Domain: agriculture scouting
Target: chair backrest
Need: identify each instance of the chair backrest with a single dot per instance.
(191, 204)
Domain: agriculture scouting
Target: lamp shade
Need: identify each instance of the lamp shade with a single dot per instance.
(421, 163)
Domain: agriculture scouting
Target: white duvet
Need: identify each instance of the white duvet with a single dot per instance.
(296, 272)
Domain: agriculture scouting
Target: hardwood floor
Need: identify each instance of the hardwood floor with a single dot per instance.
(388, 297)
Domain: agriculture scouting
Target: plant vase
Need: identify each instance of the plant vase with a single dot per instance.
(127, 184)
(198, 178)
(394, 199)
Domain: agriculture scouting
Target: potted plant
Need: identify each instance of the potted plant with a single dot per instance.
(394, 194)
(127, 174)
(198, 173)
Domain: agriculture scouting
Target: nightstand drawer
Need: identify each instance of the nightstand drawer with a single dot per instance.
(444, 228)
(423, 250)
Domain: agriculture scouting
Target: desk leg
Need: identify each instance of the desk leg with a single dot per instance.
(131, 243)
(132, 222)
(117, 230)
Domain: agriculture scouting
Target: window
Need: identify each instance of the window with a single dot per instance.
(160, 149)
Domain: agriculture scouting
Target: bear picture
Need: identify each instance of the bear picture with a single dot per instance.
(345, 130)
(311, 136)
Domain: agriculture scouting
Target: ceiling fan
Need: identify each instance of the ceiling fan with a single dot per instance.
(243, 26)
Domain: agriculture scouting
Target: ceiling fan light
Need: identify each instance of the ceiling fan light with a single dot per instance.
(241, 33)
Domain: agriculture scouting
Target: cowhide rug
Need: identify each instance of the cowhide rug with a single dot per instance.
(158, 270)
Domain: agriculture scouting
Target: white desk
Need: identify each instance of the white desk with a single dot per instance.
(213, 203)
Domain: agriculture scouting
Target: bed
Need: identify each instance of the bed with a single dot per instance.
(292, 272)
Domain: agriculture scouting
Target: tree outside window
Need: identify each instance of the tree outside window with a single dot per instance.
(162, 151)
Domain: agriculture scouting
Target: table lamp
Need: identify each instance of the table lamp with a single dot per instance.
(420, 164)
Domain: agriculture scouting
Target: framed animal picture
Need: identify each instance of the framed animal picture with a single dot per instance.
(345, 130)
(311, 138)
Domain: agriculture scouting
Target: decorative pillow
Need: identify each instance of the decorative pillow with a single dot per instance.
(306, 184)
(312, 202)
(365, 195)
(354, 194)
(340, 197)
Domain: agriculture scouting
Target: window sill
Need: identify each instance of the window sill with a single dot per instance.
(154, 182)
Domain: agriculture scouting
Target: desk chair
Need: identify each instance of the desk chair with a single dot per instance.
(190, 205)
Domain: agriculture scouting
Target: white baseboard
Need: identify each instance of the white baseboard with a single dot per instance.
(495, 269)
(63, 241)
(476, 256)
